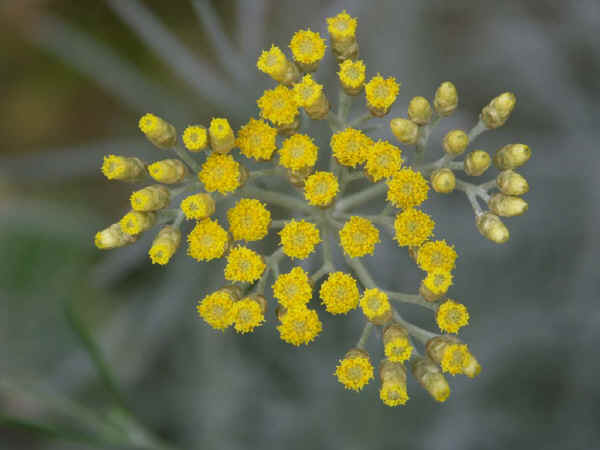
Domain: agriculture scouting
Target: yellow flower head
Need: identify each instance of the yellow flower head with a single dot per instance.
(438, 281)
(350, 147)
(413, 227)
(279, 105)
(220, 173)
(299, 238)
(355, 370)
(220, 129)
(381, 93)
(393, 393)
(436, 255)
(455, 357)
(122, 168)
(383, 160)
(168, 171)
(244, 264)
(342, 27)
(293, 289)
(298, 152)
(451, 316)
(198, 206)
(217, 309)
(299, 325)
(256, 140)
(249, 220)
(113, 237)
(307, 91)
(248, 314)
(407, 188)
(307, 47)
(398, 349)
(150, 198)
(358, 236)
(272, 62)
(135, 222)
(207, 240)
(165, 245)
(339, 293)
(195, 138)
(321, 188)
(374, 303)
(352, 74)
(158, 131)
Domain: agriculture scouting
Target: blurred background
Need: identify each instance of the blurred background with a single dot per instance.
(75, 77)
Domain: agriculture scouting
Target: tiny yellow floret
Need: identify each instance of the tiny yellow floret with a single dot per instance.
(393, 394)
(244, 264)
(436, 255)
(217, 309)
(358, 237)
(113, 237)
(150, 198)
(198, 206)
(438, 281)
(355, 370)
(257, 140)
(412, 227)
(383, 160)
(195, 138)
(381, 94)
(321, 188)
(158, 131)
(299, 238)
(207, 240)
(350, 147)
(249, 220)
(407, 188)
(248, 314)
(308, 91)
(352, 76)
(307, 47)
(298, 152)
(220, 173)
(273, 62)
(452, 316)
(165, 245)
(342, 27)
(454, 358)
(122, 168)
(135, 222)
(299, 325)
(168, 171)
(339, 293)
(293, 289)
(374, 303)
(279, 105)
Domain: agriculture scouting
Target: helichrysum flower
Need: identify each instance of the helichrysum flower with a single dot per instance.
(165, 245)
(257, 139)
(452, 316)
(342, 27)
(396, 344)
(437, 282)
(350, 147)
(339, 293)
(374, 303)
(113, 237)
(429, 375)
(307, 91)
(393, 383)
(383, 160)
(454, 358)
(198, 206)
(195, 138)
(381, 94)
(299, 325)
(207, 240)
(279, 105)
(354, 371)
(222, 138)
(436, 255)
(249, 220)
(293, 289)
(274, 63)
(298, 152)
(217, 309)
(168, 171)
(299, 238)
(158, 131)
(321, 188)
(307, 47)
(248, 314)
(150, 198)
(136, 222)
(122, 168)
(358, 236)
(419, 110)
(220, 173)
(407, 189)
(244, 264)
(412, 227)
(352, 76)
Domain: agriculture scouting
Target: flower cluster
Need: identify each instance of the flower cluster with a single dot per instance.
(324, 221)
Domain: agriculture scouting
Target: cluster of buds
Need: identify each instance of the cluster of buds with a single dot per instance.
(323, 220)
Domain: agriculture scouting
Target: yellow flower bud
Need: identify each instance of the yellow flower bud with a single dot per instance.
(443, 181)
(396, 343)
(477, 162)
(456, 142)
(113, 237)
(342, 32)
(512, 156)
(471, 368)
(429, 375)
(446, 99)
(150, 198)
(274, 63)
(288, 129)
(165, 245)
(419, 110)
(511, 183)
(198, 206)
(507, 205)
(393, 383)
(158, 131)
(497, 112)
(222, 139)
(352, 76)
(123, 168)
(136, 222)
(452, 355)
(168, 171)
(406, 131)
(492, 228)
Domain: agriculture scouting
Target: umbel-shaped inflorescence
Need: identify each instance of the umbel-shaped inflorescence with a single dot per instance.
(324, 209)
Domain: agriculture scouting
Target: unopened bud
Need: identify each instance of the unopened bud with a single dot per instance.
(406, 131)
(452, 355)
(168, 171)
(274, 63)
(113, 237)
(492, 228)
(446, 99)
(507, 205)
(512, 156)
(393, 383)
(288, 129)
(158, 131)
(123, 168)
(429, 375)
(136, 222)
(471, 368)
(511, 183)
(298, 177)
(165, 245)
(477, 162)
(455, 142)
(222, 139)
(235, 292)
(419, 110)
(443, 181)
(497, 112)
(150, 198)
